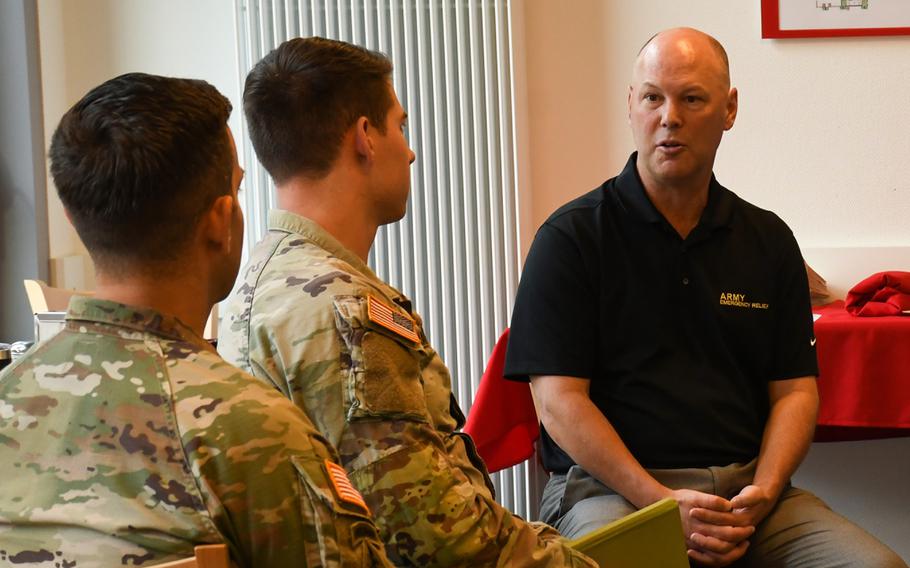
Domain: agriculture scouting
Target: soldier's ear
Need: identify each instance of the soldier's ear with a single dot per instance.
(216, 224)
(363, 139)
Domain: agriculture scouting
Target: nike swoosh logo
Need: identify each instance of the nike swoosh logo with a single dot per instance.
(812, 342)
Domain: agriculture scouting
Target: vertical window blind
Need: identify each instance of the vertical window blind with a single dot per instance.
(455, 254)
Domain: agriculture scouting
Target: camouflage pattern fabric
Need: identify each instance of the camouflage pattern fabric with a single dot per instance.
(126, 440)
(307, 317)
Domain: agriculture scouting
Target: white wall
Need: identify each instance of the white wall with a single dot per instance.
(821, 137)
(87, 42)
(866, 482)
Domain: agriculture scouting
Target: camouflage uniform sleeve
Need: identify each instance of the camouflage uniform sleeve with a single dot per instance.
(266, 475)
(431, 506)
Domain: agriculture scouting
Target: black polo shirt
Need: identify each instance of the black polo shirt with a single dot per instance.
(679, 337)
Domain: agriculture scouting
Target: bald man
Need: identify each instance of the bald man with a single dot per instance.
(666, 329)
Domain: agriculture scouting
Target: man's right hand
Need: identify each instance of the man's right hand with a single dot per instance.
(709, 544)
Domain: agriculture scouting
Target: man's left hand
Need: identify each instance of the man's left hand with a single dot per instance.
(750, 507)
(753, 503)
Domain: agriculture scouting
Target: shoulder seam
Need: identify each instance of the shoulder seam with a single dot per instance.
(249, 321)
(574, 205)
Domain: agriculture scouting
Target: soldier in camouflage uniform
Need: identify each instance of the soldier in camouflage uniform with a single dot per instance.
(311, 317)
(126, 439)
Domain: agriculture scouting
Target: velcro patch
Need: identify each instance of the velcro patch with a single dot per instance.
(388, 318)
(342, 485)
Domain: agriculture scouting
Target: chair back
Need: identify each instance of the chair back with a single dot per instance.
(206, 556)
(502, 421)
(651, 536)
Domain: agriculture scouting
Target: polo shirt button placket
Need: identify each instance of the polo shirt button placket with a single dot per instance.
(682, 254)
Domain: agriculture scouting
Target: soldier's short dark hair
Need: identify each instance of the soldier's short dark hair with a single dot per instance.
(301, 98)
(137, 161)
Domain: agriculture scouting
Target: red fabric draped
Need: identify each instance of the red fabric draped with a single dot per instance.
(502, 421)
(882, 294)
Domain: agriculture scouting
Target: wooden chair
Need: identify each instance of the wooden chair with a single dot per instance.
(206, 556)
(45, 298)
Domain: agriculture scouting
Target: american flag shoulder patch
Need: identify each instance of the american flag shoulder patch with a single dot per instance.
(342, 485)
(383, 315)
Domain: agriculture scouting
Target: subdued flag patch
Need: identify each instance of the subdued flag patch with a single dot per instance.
(343, 488)
(388, 318)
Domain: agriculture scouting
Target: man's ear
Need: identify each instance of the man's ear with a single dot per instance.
(217, 224)
(629, 105)
(732, 108)
(363, 140)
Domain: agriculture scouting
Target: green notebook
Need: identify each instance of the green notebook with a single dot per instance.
(649, 538)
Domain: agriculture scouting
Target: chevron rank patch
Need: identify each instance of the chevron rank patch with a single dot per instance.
(383, 315)
(342, 485)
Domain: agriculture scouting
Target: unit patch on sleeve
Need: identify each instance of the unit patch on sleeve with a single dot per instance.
(342, 485)
(383, 315)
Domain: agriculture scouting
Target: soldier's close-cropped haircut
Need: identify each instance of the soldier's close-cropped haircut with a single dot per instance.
(137, 161)
(302, 98)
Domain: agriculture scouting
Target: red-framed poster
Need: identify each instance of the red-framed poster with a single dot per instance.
(834, 18)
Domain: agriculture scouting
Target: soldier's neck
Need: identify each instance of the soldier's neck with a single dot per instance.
(184, 298)
(336, 205)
